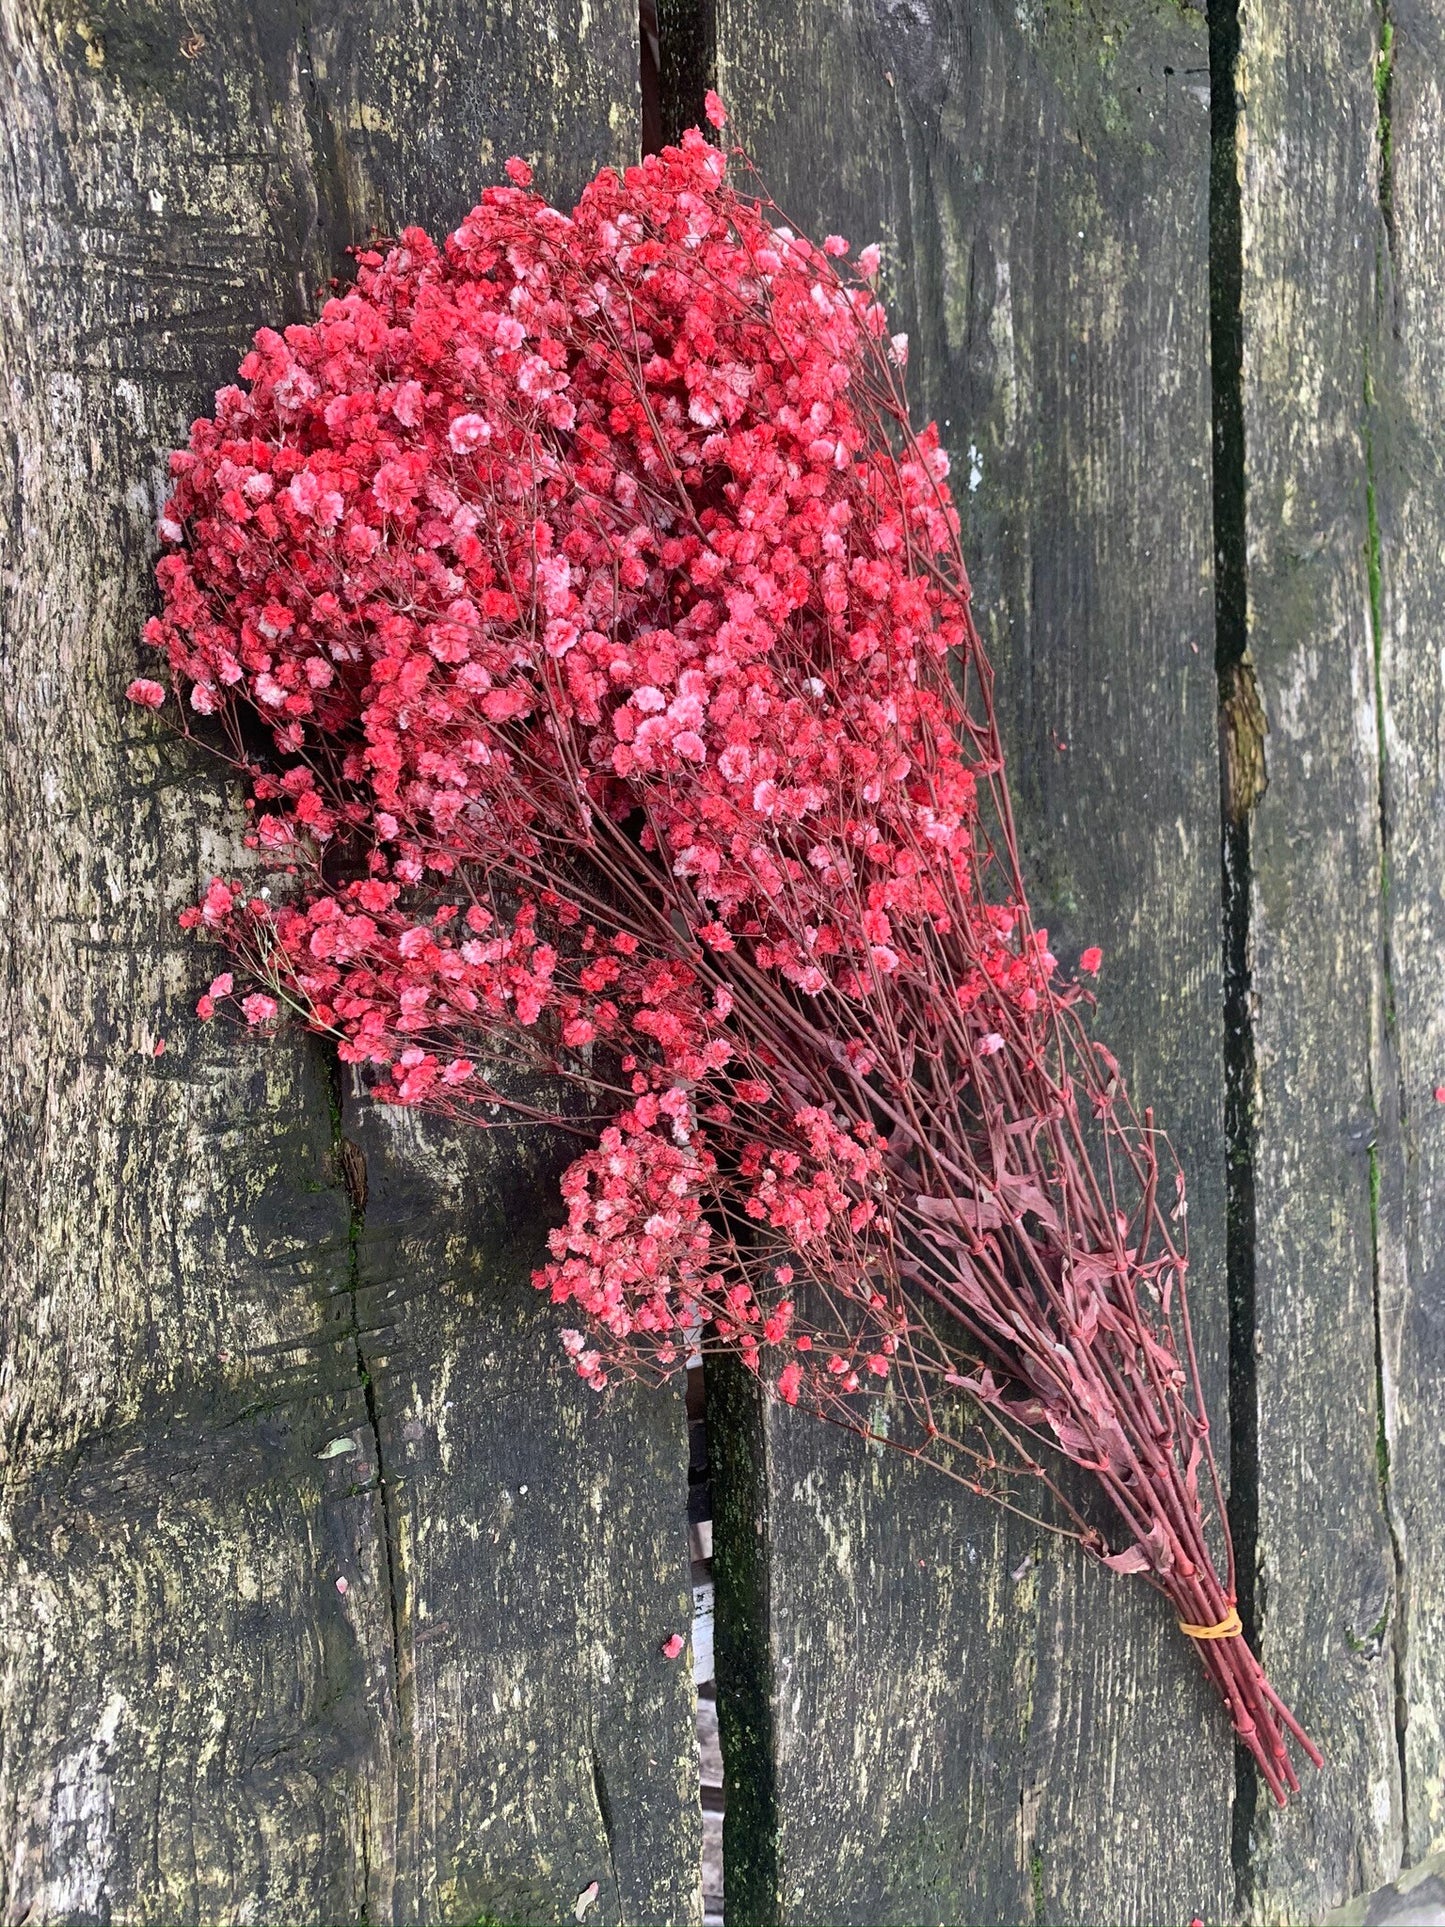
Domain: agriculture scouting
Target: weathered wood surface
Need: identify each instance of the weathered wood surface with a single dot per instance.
(935, 1718)
(226, 1389)
(1409, 460)
(1342, 422)
(540, 1556)
(258, 1339)
(1325, 1110)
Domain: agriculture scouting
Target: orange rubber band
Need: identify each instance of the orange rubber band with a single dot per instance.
(1230, 1627)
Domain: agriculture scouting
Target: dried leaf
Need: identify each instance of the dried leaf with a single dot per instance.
(1073, 1440)
(980, 1384)
(1191, 1476)
(1025, 1195)
(979, 1214)
(1133, 1559)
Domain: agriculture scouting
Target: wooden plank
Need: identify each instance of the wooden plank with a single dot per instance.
(1410, 489)
(539, 1540)
(1326, 1131)
(193, 1717)
(931, 1717)
(196, 1722)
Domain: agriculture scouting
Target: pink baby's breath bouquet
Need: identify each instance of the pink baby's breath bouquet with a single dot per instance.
(590, 626)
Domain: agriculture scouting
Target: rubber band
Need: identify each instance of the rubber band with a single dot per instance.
(1230, 1627)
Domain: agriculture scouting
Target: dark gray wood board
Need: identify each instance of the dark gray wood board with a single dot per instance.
(1327, 1164)
(196, 1723)
(1409, 468)
(956, 1722)
(540, 1555)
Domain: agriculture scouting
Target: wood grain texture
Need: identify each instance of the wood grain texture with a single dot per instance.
(964, 1724)
(540, 1556)
(1410, 487)
(1327, 1130)
(209, 1368)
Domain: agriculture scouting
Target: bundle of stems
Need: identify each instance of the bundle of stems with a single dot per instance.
(589, 623)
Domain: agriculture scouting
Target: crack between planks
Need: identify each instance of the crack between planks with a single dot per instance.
(604, 1814)
(1391, 1055)
(649, 75)
(1384, 105)
(678, 65)
(746, 1653)
(1243, 778)
(352, 1165)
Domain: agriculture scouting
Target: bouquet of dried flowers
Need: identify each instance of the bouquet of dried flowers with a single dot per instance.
(626, 736)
